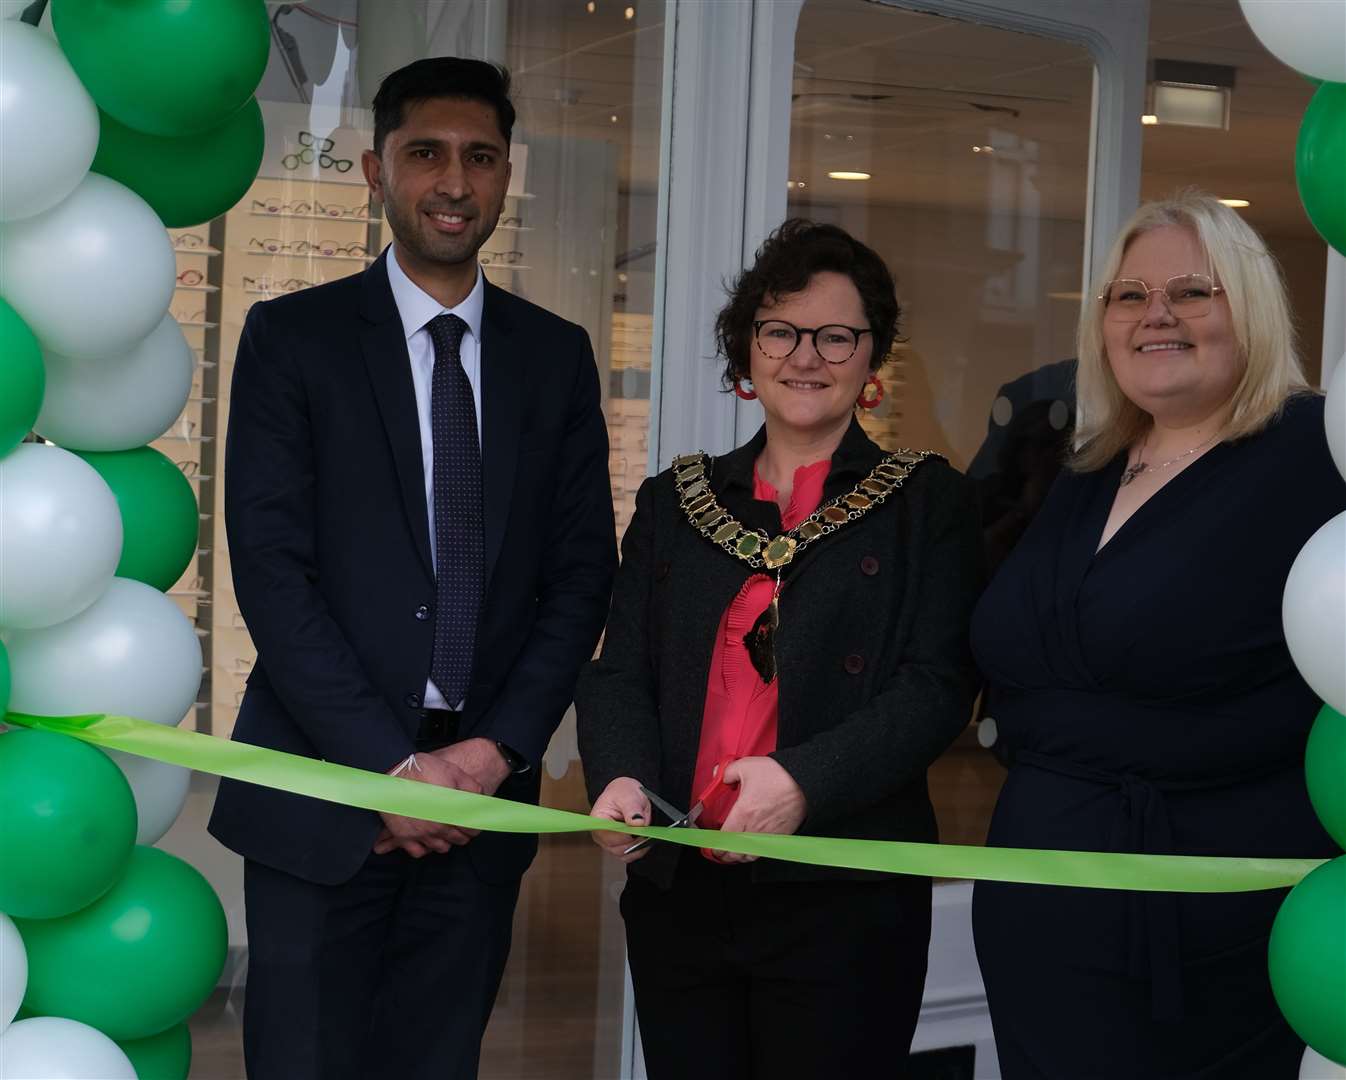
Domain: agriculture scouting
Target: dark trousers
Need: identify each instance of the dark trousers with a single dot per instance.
(390, 975)
(741, 980)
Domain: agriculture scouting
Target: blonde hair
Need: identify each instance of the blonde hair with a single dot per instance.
(1109, 421)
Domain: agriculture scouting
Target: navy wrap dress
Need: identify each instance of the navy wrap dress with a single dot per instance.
(1146, 702)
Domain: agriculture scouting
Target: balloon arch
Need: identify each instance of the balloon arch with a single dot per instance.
(136, 115)
(158, 126)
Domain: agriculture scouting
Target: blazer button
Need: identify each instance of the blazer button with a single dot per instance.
(854, 664)
(422, 613)
(661, 570)
(413, 700)
(869, 566)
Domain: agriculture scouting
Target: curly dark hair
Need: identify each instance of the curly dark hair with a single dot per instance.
(785, 264)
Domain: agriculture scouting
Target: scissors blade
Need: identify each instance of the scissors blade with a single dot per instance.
(679, 819)
(666, 808)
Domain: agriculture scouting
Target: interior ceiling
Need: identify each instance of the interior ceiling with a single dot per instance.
(906, 96)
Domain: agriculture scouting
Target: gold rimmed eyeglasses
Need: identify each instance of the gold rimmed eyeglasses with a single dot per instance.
(1188, 296)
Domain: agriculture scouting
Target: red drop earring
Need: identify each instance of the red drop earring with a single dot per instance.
(746, 395)
(871, 393)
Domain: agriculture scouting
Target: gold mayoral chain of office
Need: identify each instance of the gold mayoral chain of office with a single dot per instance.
(691, 478)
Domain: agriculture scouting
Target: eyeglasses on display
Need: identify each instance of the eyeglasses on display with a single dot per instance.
(274, 286)
(274, 246)
(358, 212)
(313, 146)
(1188, 296)
(191, 277)
(188, 241)
(511, 222)
(835, 343)
(275, 206)
(499, 258)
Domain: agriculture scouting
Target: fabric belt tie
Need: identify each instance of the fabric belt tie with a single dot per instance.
(1154, 939)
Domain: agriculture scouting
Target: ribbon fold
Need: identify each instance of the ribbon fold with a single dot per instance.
(397, 795)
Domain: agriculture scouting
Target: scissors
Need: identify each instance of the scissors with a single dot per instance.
(680, 820)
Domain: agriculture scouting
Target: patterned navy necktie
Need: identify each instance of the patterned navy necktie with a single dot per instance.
(459, 543)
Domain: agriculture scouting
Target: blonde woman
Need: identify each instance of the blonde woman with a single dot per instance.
(1138, 671)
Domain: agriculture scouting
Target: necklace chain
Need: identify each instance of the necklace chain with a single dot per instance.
(1132, 471)
(691, 478)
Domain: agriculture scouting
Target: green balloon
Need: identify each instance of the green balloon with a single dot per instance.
(67, 824)
(137, 962)
(186, 179)
(1325, 770)
(160, 522)
(166, 1056)
(166, 68)
(1307, 959)
(22, 379)
(1320, 163)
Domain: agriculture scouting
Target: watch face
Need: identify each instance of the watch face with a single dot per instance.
(515, 762)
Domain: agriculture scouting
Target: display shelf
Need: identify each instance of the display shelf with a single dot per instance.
(314, 255)
(195, 323)
(504, 266)
(197, 288)
(210, 252)
(514, 228)
(318, 217)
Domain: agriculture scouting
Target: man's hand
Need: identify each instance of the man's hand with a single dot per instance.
(418, 838)
(480, 759)
(769, 801)
(622, 800)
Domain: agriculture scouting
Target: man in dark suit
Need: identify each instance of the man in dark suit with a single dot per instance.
(421, 534)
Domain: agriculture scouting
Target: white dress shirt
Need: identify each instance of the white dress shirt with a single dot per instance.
(416, 307)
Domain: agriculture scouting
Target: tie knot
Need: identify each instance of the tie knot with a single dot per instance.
(446, 332)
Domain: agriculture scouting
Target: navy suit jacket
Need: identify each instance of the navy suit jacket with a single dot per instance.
(329, 542)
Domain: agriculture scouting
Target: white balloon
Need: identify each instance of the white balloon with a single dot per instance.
(48, 123)
(91, 276)
(13, 971)
(60, 536)
(118, 402)
(132, 653)
(1307, 35)
(160, 791)
(1334, 415)
(1316, 1067)
(1313, 610)
(50, 1048)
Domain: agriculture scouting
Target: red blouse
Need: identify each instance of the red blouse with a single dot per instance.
(740, 714)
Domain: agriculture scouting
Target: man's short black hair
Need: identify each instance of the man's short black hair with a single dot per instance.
(785, 264)
(442, 77)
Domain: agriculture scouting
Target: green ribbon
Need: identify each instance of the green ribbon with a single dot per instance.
(397, 795)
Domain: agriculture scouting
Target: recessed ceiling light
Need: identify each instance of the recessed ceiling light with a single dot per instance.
(1237, 204)
(591, 7)
(613, 118)
(1149, 119)
(843, 175)
(630, 13)
(983, 149)
(792, 184)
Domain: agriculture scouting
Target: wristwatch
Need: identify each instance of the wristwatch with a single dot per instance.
(516, 762)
